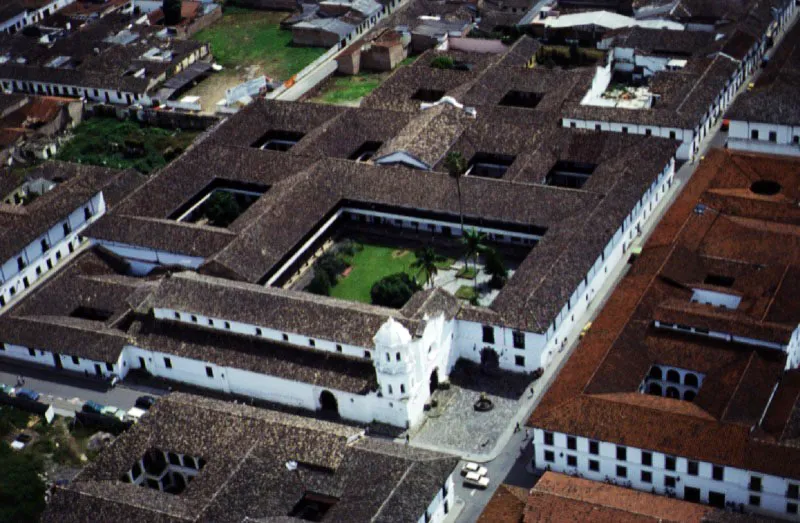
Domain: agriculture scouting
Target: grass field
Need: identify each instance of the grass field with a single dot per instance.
(369, 265)
(348, 89)
(246, 37)
(124, 144)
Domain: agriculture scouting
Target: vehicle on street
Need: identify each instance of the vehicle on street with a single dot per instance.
(473, 467)
(21, 441)
(92, 407)
(26, 393)
(114, 412)
(585, 329)
(474, 480)
(135, 414)
(145, 402)
(5, 389)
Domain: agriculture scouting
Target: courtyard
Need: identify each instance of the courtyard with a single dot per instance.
(356, 261)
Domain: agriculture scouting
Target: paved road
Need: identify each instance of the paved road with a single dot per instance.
(68, 392)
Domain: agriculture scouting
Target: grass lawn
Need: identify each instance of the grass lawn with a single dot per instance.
(347, 89)
(246, 37)
(466, 292)
(468, 273)
(124, 144)
(369, 265)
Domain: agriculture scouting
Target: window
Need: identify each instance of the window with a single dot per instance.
(209, 372)
(227, 325)
(177, 315)
(692, 468)
(519, 361)
(76, 360)
(367, 355)
(597, 127)
(647, 458)
(622, 472)
(691, 494)
(647, 476)
(488, 334)
(311, 343)
(773, 136)
(791, 508)
(754, 500)
(572, 443)
(20, 263)
(672, 135)
(572, 461)
(549, 456)
(402, 389)
(648, 132)
(755, 484)
(168, 363)
(397, 356)
(718, 473)
(573, 125)
(792, 491)
(669, 481)
(518, 339)
(754, 134)
(594, 448)
(594, 465)
(548, 438)
(44, 245)
(669, 463)
(622, 453)
(390, 389)
(109, 367)
(796, 140)
(338, 348)
(87, 213)
(624, 130)
(32, 352)
(194, 318)
(210, 322)
(285, 337)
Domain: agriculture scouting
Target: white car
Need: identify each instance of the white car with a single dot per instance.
(135, 414)
(474, 480)
(475, 468)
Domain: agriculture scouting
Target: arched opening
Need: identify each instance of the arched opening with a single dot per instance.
(689, 395)
(673, 393)
(490, 360)
(434, 382)
(328, 404)
(655, 372)
(765, 187)
(673, 376)
(655, 389)
(690, 380)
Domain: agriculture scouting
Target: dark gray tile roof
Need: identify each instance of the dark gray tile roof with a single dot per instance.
(245, 477)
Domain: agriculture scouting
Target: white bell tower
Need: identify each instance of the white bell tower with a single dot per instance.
(394, 360)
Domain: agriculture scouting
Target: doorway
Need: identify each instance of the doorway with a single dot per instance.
(434, 381)
(328, 403)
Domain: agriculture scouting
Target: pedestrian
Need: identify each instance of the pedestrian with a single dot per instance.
(516, 428)
(408, 439)
(527, 433)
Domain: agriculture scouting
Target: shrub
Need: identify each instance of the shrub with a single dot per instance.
(222, 208)
(332, 264)
(496, 268)
(442, 62)
(394, 290)
(21, 488)
(320, 284)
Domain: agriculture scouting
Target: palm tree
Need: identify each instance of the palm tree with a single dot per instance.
(473, 241)
(426, 263)
(456, 167)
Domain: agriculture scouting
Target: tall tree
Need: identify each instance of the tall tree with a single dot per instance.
(496, 268)
(456, 166)
(474, 245)
(426, 264)
(172, 11)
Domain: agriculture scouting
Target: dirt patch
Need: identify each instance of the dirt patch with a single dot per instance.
(399, 253)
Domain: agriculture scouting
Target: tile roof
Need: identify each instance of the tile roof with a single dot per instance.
(245, 451)
(596, 394)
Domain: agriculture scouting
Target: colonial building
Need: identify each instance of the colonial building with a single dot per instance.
(195, 459)
(557, 202)
(687, 383)
(677, 84)
(766, 118)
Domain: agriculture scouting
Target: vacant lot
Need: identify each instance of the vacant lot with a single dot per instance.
(243, 38)
(349, 90)
(124, 144)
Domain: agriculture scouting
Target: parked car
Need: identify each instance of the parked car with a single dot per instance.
(27, 394)
(92, 407)
(145, 402)
(5, 389)
(474, 480)
(21, 441)
(135, 414)
(114, 412)
(475, 468)
(585, 329)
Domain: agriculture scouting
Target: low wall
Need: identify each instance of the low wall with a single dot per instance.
(155, 117)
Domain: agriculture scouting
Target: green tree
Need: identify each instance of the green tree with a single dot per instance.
(221, 209)
(474, 245)
(496, 268)
(426, 263)
(332, 264)
(320, 284)
(456, 166)
(172, 11)
(21, 489)
(394, 290)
